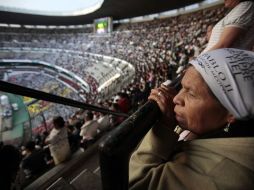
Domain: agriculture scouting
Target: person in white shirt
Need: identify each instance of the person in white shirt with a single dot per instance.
(88, 131)
(104, 122)
(58, 141)
(236, 29)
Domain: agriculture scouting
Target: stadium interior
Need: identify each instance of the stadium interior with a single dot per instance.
(110, 59)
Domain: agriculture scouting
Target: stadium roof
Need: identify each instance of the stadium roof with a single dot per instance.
(117, 9)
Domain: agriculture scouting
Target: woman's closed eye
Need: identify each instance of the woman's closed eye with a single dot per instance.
(188, 92)
(191, 93)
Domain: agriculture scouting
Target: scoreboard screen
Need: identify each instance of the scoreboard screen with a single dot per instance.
(103, 25)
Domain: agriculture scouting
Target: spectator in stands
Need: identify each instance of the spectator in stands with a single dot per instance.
(236, 28)
(58, 141)
(136, 96)
(34, 161)
(88, 131)
(216, 104)
(124, 102)
(104, 122)
(73, 137)
(114, 119)
(10, 158)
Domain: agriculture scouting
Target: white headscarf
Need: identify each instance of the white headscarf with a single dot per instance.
(229, 73)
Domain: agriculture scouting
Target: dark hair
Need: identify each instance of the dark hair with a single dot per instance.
(58, 122)
(89, 115)
(30, 145)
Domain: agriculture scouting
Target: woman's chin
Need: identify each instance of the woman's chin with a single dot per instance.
(181, 122)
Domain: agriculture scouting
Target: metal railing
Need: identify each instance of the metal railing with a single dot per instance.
(24, 91)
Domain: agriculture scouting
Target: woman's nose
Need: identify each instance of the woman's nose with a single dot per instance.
(178, 98)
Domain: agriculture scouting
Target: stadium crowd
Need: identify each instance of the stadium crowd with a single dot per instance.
(152, 46)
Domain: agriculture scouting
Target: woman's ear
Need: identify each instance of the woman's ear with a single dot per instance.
(230, 118)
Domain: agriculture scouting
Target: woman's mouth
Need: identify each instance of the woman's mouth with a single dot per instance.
(179, 118)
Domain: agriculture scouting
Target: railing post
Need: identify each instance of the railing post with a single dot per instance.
(116, 148)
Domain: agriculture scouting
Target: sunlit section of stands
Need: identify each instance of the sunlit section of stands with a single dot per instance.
(94, 69)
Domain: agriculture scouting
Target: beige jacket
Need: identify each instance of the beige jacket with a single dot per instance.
(89, 130)
(202, 164)
(59, 145)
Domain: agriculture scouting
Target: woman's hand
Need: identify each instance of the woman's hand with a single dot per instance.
(164, 98)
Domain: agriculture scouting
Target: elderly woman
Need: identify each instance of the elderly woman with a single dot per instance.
(216, 105)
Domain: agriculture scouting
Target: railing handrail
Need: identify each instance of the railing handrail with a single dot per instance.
(116, 148)
(24, 91)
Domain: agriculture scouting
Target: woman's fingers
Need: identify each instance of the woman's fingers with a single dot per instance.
(160, 102)
(162, 97)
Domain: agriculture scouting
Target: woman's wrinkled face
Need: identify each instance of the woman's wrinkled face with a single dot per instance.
(196, 109)
(231, 3)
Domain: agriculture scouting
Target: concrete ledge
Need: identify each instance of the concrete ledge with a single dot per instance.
(63, 169)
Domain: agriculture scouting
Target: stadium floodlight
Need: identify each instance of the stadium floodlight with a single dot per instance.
(14, 25)
(4, 25)
(28, 26)
(41, 26)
